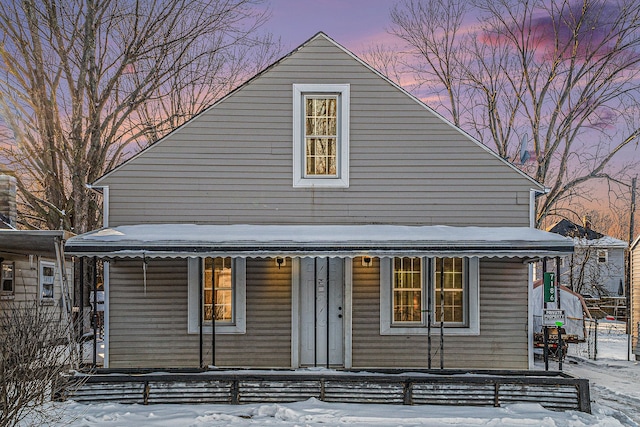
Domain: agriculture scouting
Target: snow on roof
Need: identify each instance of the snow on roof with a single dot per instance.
(603, 242)
(180, 240)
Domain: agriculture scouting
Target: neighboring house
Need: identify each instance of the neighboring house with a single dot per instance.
(30, 260)
(596, 268)
(635, 296)
(318, 215)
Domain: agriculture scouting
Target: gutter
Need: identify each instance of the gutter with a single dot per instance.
(534, 193)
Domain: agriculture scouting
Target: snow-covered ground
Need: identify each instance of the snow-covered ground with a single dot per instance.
(614, 380)
(615, 393)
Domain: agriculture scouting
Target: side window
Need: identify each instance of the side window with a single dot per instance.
(7, 285)
(47, 275)
(603, 256)
(321, 135)
(217, 291)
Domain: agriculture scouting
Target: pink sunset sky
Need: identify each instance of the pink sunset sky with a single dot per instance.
(356, 24)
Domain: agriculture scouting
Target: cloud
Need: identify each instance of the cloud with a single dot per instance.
(568, 31)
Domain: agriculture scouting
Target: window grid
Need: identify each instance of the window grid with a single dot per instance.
(321, 135)
(453, 306)
(407, 290)
(218, 290)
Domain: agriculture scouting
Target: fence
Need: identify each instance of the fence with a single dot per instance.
(589, 347)
(603, 339)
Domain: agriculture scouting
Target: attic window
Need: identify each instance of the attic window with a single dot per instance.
(321, 135)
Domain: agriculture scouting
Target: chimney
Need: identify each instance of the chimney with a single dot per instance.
(586, 222)
(8, 210)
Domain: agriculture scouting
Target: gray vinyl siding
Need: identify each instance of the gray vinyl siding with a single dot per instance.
(150, 330)
(502, 342)
(234, 164)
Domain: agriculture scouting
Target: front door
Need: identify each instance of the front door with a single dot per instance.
(321, 312)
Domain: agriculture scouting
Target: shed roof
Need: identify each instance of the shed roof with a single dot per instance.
(31, 241)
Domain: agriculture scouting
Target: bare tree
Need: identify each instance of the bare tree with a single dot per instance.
(34, 355)
(433, 30)
(387, 60)
(553, 80)
(86, 83)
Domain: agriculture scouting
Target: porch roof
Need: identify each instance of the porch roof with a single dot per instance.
(348, 241)
(36, 242)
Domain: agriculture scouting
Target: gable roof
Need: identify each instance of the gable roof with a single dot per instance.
(567, 228)
(369, 67)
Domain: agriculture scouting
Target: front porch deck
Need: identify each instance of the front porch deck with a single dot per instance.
(552, 389)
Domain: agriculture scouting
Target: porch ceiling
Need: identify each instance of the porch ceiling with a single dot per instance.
(348, 241)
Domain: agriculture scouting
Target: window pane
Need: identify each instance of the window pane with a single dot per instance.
(218, 289)
(321, 135)
(451, 308)
(407, 290)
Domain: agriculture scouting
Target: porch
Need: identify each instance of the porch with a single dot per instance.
(552, 389)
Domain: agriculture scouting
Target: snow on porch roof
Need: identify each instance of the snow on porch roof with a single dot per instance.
(191, 240)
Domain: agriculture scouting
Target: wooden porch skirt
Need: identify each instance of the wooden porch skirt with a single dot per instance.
(553, 390)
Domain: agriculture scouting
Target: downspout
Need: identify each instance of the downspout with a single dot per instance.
(104, 189)
(533, 195)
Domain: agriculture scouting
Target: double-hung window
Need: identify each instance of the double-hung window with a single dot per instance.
(7, 279)
(217, 295)
(47, 276)
(603, 256)
(321, 135)
(414, 290)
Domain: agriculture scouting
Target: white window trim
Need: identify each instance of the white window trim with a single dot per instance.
(606, 256)
(299, 179)
(386, 301)
(239, 299)
(41, 266)
(8, 294)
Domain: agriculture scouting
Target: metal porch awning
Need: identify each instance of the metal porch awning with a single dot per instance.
(347, 241)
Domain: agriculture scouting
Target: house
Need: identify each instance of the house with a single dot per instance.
(596, 268)
(31, 261)
(318, 215)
